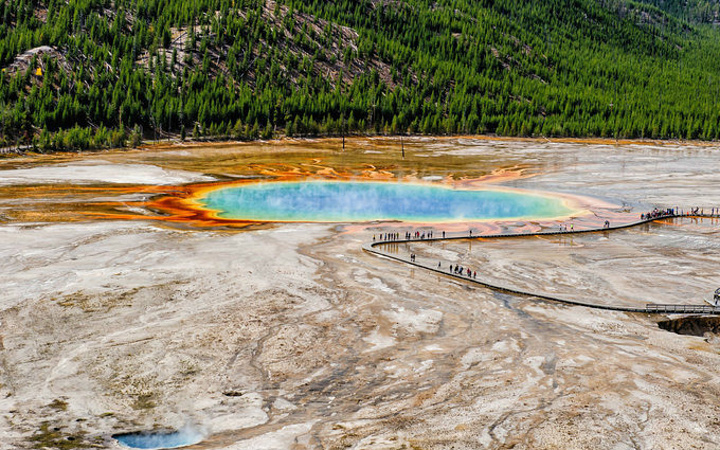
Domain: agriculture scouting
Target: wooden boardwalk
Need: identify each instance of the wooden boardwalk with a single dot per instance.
(650, 308)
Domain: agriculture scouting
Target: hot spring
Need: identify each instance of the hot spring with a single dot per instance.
(160, 440)
(335, 201)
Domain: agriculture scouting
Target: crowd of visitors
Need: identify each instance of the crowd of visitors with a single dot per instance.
(460, 270)
(457, 269)
(696, 211)
(410, 235)
(659, 213)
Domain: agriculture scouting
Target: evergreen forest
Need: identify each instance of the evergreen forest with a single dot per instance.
(89, 74)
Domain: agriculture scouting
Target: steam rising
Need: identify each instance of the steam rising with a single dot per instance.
(187, 435)
(365, 201)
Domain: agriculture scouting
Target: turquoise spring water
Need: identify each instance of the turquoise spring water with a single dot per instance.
(335, 201)
(155, 441)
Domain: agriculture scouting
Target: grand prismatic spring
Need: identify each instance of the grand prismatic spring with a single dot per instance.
(313, 201)
(225, 286)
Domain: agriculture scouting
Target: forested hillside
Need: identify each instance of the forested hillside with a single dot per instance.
(98, 73)
(701, 11)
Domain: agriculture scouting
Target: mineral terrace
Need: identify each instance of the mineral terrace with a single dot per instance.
(117, 315)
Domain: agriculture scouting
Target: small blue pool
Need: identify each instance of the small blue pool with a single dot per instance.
(169, 439)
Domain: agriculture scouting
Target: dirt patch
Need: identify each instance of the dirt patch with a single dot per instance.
(692, 326)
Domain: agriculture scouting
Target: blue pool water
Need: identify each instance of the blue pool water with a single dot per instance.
(335, 201)
(145, 440)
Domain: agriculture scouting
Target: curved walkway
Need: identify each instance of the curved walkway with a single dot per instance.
(650, 308)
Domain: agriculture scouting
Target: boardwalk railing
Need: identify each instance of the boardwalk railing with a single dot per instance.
(650, 308)
(653, 308)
